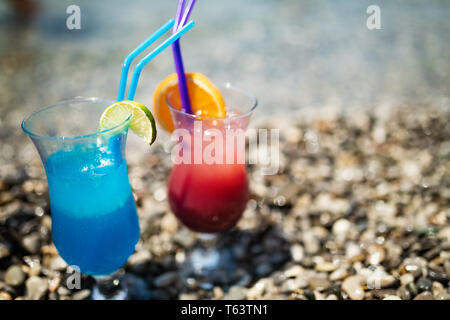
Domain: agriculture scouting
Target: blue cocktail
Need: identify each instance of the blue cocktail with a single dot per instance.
(94, 220)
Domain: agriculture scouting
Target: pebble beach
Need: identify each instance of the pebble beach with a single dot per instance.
(359, 210)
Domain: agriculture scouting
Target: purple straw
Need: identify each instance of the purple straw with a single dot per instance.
(181, 19)
(178, 15)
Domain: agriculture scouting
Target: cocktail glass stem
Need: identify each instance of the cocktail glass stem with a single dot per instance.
(209, 262)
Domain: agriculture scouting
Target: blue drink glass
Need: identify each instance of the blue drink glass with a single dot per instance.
(94, 220)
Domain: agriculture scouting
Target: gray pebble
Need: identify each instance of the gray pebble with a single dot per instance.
(317, 283)
(14, 276)
(57, 264)
(264, 269)
(392, 297)
(5, 296)
(165, 279)
(447, 267)
(403, 293)
(297, 252)
(415, 266)
(412, 288)
(188, 296)
(341, 227)
(185, 238)
(325, 266)
(136, 287)
(439, 276)
(442, 296)
(339, 274)
(352, 286)
(4, 251)
(311, 243)
(82, 294)
(31, 242)
(426, 295)
(424, 284)
(235, 293)
(36, 288)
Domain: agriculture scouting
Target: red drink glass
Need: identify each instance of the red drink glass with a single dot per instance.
(208, 187)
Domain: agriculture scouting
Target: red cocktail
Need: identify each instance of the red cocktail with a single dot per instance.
(208, 188)
(208, 197)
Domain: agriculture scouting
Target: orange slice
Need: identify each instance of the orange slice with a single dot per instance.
(206, 99)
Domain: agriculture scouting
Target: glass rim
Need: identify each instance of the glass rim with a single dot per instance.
(227, 85)
(76, 100)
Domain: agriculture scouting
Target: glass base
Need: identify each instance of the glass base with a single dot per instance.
(97, 294)
(109, 288)
(208, 263)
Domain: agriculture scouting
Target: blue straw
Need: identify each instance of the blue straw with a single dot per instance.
(138, 68)
(139, 49)
(144, 45)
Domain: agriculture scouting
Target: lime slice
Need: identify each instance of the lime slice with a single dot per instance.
(142, 121)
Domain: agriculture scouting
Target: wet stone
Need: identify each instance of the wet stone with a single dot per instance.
(165, 279)
(188, 296)
(412, 288)
(309, 294)
(339, 274)
(406, 278)
(437, 288)
(311, 243)
(31, 243)
(294, 284)
(447, 267)
(325, 266)
(438, 276)
(218, 293)
(415, 266)
(426, 295)
(297, 252)
(5, 295)
(424, 284)
(341, 228)
(185, 238)
(36, 288)
(81, 295)
(383, 293)
(136, 287)
(14, 276)
(57, 263)
(4, 251)
(319, 284)
(352, 286)
(442, 296)
(375, 254)
(264, 269)
(403, 293)
(235, 293)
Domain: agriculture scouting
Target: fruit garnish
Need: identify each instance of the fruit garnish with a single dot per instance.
(142, 122)
(206, 100)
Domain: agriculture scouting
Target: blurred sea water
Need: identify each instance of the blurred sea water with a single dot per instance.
(292, 54)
